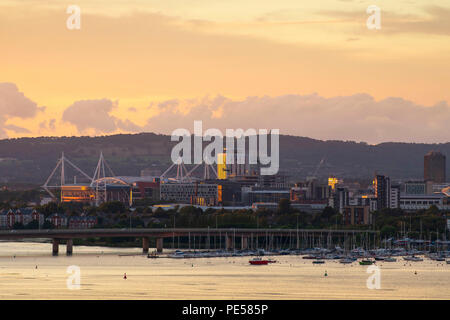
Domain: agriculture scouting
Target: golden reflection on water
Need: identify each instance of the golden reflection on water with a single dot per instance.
(292, 277)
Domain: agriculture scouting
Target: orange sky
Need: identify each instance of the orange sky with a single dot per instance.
(139, 53)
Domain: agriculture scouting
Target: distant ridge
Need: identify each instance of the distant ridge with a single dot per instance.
(128, 154)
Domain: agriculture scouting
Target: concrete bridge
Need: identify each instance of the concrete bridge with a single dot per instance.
(229, 234)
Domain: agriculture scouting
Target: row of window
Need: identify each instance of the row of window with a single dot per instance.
(431, 202)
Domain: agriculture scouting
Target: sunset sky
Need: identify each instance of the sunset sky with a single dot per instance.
(309, 68)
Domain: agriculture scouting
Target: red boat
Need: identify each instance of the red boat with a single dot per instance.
(258, 261)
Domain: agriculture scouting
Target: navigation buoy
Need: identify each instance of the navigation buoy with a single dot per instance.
(125, 275)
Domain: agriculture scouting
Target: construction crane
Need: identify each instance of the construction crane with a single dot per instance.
(319, 165)
(322, 161)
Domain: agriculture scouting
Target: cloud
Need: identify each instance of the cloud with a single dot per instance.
(434, 20)
(14, 104)
(94, 115)
(358, 117)
(49, 125)
(437, 22)
(16, 129)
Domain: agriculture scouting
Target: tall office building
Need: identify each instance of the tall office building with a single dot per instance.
(339, 199)
(222, 166)
(382, 186)
(394, 197)
(434, 167)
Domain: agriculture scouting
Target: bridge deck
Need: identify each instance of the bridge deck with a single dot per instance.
(162, 232)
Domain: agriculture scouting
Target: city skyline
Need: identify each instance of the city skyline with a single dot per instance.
(153, 67)
(213, 152)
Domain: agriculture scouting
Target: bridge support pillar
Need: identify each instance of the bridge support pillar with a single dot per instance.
(55, 247)
(229, 242)
(69, 247)
(244, 243)
(159, 245)
(145, 245)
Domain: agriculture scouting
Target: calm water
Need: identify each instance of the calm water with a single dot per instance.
(291, 277)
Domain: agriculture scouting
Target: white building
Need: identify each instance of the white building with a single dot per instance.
(394, 197)
(424, 201)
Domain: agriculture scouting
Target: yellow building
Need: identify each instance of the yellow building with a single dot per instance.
(332, 182)
(222, 166)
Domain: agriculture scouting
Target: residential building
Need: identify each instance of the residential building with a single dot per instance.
(82, 222)
(339, 199)
(59, 220)
(23, 216)
(382, 186)
(394, 197)
(353, 215)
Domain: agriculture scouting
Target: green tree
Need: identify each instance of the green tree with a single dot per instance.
(47, 225)
(112, 207)
(432, 210)
(34, 224)
(18, 225)
(284, 206)
(387, 231)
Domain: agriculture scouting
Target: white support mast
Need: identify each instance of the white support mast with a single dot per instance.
(182, 172)
(98, 181)
(206, 170)
(62, 165)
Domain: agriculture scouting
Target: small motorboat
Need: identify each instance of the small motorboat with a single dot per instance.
(258, 261)
(366, 262)
(346, 261)
(390, 259)
(412, 258)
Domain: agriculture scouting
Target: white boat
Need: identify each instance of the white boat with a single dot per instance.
(412, 258)
(346, 261)
(389, 259)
